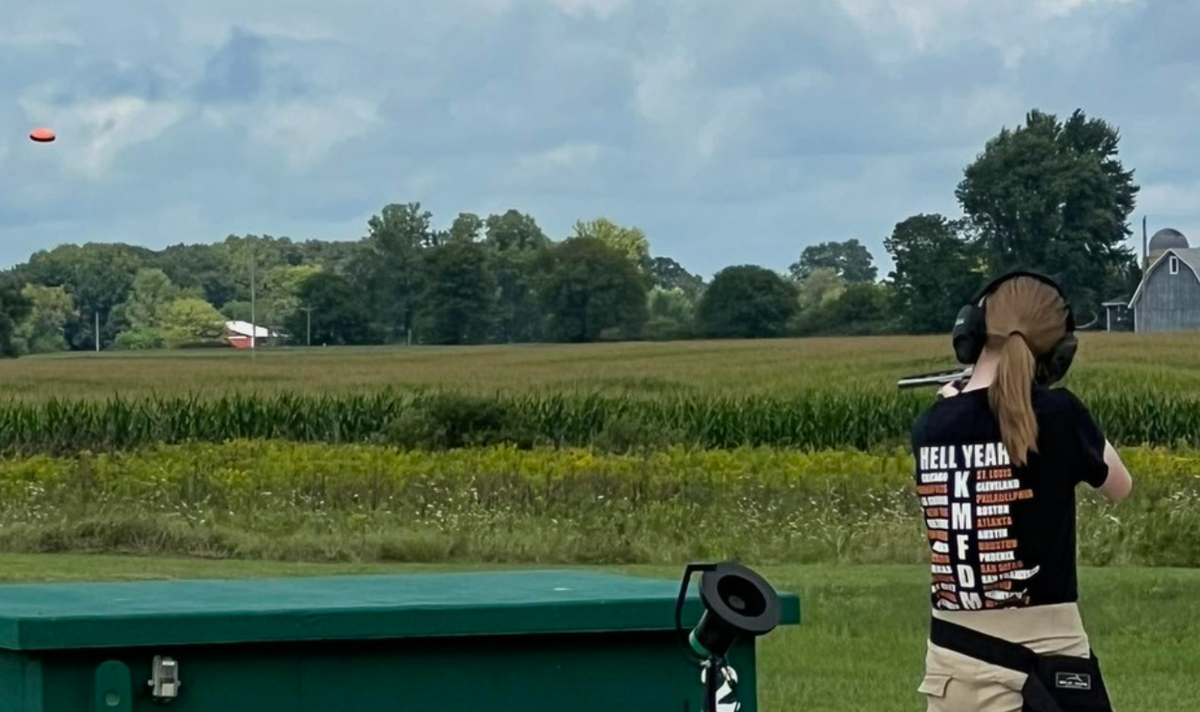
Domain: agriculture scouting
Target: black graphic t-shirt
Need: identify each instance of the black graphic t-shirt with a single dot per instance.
(1003, 536)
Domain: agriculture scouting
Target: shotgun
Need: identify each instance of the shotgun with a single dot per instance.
(937, 378)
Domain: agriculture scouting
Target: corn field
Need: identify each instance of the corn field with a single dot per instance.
(861, 419)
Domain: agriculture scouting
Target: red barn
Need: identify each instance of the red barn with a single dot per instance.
(239, 334)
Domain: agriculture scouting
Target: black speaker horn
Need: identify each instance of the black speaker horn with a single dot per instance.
(737, 603)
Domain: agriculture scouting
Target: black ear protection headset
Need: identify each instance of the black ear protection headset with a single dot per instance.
(970, 331)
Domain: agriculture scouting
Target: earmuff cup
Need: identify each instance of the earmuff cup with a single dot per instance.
(1054, 364)
(970, 332)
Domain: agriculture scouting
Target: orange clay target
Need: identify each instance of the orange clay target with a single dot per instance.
(42, 135)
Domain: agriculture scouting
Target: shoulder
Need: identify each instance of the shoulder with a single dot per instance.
(929, 414)
(919, 424)
(923, 425)
(937, 419)
(1059, 402)
(1065, 419)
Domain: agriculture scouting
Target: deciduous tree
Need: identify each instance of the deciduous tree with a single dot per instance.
(629, 241)
(746, 301)
(588, 290)
(850, 260)
(459, 294)
(43, 330)
(936, 271)
(14, 308)
(340, 314)
(1053, 196)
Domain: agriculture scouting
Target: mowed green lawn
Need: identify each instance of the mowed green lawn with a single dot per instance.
(860, 644)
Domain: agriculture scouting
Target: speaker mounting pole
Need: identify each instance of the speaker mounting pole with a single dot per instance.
(737, 603)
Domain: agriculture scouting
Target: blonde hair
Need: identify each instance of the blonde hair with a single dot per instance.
(1025, 318)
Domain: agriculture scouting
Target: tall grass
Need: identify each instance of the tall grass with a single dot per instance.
(272, 499)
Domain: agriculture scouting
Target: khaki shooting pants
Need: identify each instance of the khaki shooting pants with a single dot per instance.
(957, 683)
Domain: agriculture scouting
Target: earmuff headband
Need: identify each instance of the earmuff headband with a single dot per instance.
(989, 288)
(969, 335)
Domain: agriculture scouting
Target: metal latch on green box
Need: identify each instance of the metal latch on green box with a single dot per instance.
(165, 682)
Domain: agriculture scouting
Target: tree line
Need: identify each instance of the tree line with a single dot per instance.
(1050, 195)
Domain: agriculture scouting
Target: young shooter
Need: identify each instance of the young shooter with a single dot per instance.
(997, 462)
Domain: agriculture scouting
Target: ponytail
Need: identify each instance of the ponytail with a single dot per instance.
(1011, 398)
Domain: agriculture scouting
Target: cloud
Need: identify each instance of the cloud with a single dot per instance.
(235, 72)
(598, 8)
(565, 162)
(95, 132)
(730, 132)
(303, 133)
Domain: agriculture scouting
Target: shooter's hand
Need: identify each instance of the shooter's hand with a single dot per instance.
(950, 389)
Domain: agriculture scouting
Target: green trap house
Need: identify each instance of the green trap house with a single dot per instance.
(525, 641)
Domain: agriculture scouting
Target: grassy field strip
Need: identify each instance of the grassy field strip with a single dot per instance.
(301, 501)
(861, 639)
(738, 367)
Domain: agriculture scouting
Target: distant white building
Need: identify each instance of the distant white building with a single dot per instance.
(239, 334)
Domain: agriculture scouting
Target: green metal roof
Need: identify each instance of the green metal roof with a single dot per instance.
(193, 612)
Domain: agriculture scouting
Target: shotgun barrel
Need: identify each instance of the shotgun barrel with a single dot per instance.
(936, 378)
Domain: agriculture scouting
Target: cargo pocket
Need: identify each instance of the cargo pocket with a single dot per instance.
(934, 685)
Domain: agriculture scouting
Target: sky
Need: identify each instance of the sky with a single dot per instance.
(730, 132)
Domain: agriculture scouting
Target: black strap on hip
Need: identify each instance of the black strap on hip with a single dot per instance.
(982, 646)
(1055, 683)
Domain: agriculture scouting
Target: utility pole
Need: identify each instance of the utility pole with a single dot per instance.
(97, 315)
(308, 323)
(253, 314)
